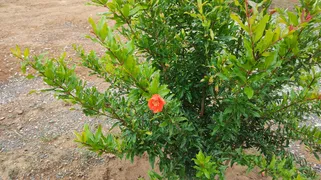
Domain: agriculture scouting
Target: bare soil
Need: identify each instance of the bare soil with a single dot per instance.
(36, 130)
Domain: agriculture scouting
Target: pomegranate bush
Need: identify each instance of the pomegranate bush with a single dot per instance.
(193, 84)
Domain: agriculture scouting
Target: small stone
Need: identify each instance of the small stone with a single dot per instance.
(80, 174)
(19, 127)
(111, 156)
(20, 112)
(12, 116)
(2, 118)
(59, 176)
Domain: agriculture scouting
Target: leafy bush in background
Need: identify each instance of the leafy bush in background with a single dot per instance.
(195, 83)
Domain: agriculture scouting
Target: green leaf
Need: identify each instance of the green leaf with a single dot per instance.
(49, 73)
(26, 53)
(249, 92)
(153, 87)
(16, 52)
(272, 163)
(32, 91)
(98, 133)
(237, 18)
(271, 59)
(78, 136)
(293, 18)
(110, 68)
(266, 41)
(200, 6)
(207, 174)
(249, 50)
(111, 5)
(93, 24)
(154, 176)
(299, 177)
(200, 156)
(135, 10)
(24, 66)
(179, 119)
(260, 28)
(163, 124)
(237, 3)
(152, 160)
(277, 34)
(126, 10)
(316, 156)
(240, 74)
(129, 64)
(30, 76)
(212, 34)
(183, 143)
(163, 90)
(114, 125)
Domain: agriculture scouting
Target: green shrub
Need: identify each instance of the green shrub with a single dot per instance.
(195, 83)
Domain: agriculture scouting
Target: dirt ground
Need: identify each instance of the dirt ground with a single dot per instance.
(36, 130)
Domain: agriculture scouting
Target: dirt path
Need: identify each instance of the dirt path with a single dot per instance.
(36, 130)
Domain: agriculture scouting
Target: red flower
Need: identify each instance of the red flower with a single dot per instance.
(156, 103)
(309, 17)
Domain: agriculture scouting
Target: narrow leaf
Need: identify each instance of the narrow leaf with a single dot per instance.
(249, 92)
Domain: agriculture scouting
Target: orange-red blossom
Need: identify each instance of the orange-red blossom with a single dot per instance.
(156, 103)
